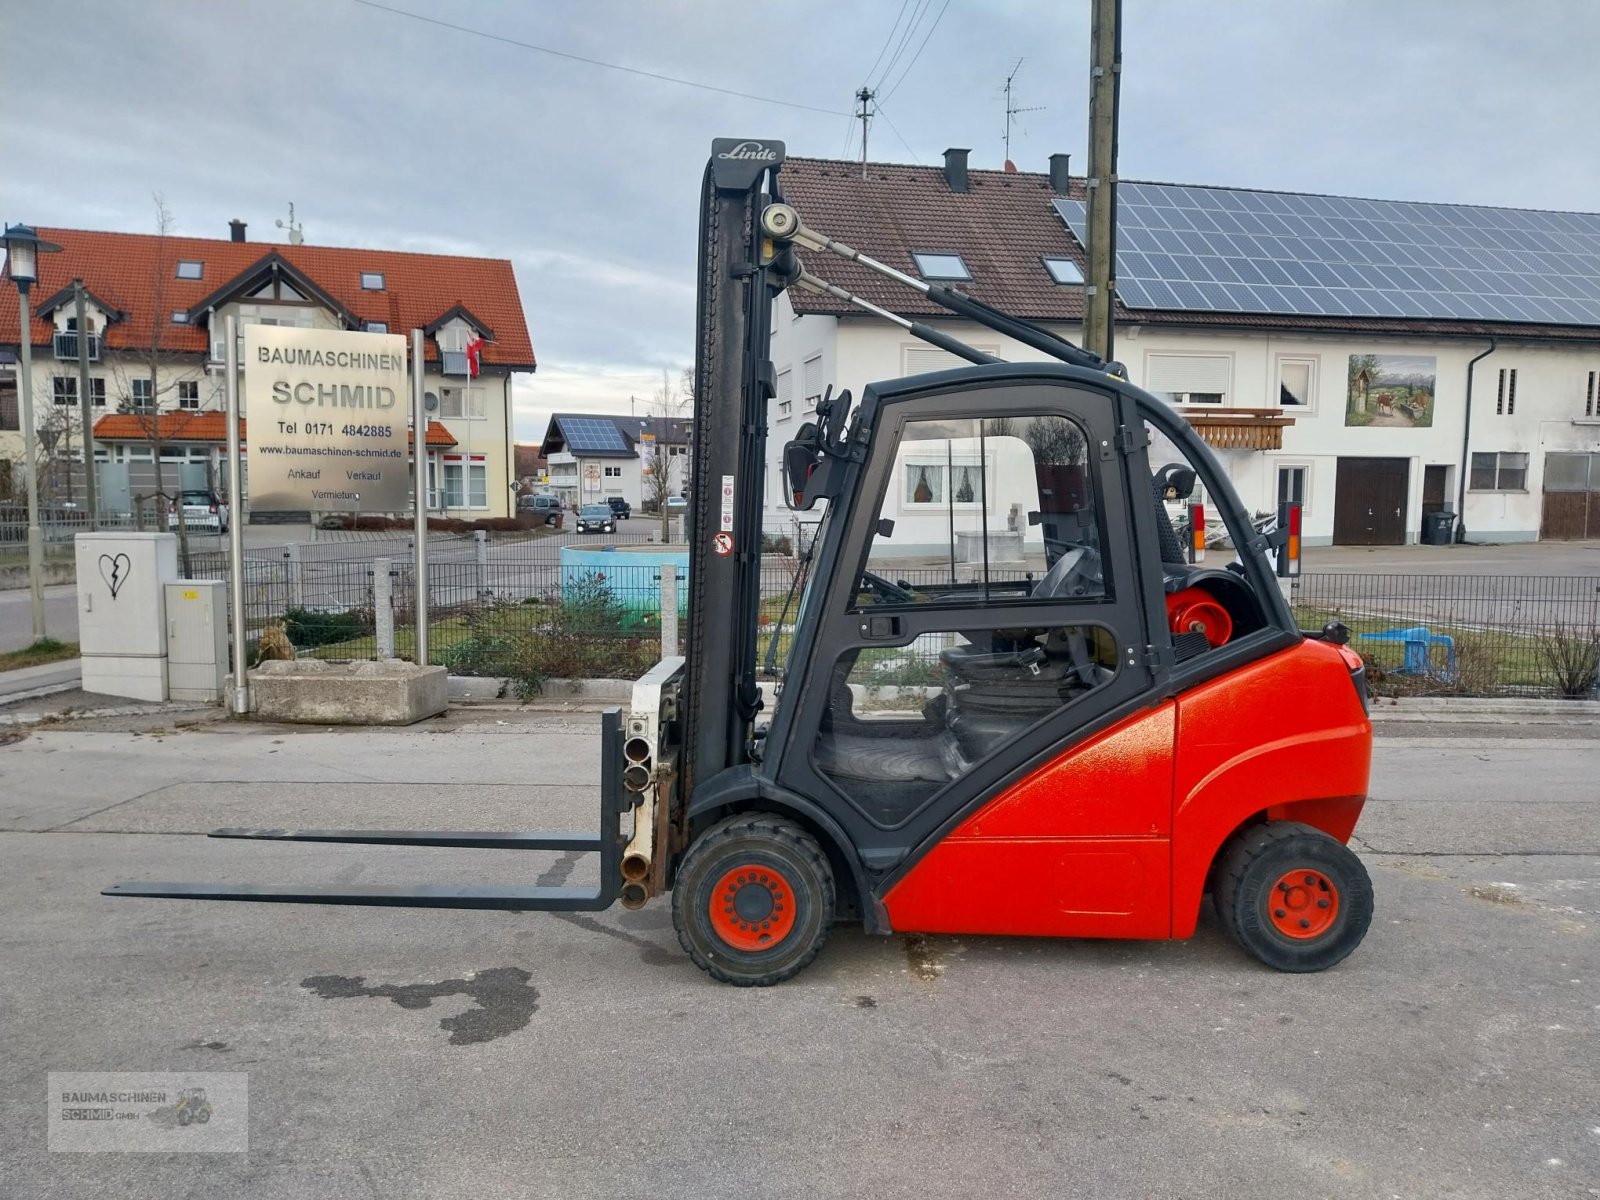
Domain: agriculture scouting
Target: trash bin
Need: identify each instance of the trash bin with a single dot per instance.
(1438, 528)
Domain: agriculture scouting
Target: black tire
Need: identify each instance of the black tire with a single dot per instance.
(801, 881)
(1335, 891)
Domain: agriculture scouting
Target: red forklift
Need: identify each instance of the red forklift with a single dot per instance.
(1001, 697)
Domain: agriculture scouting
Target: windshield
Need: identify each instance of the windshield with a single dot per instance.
(597, 510)
(196, 497)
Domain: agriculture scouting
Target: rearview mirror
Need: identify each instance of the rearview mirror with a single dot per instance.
(800, 459)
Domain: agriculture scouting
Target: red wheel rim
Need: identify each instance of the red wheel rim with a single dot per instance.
(752, 907)
(1303, 904)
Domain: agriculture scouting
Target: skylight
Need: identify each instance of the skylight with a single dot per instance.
(1063, 270)
(941, 266)
(179, 317)
(188, 268)
(372, 281)
(377, 327)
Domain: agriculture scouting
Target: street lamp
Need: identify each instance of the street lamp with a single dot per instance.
(23, 247)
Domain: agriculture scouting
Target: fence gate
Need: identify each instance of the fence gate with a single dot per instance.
(1571, 497)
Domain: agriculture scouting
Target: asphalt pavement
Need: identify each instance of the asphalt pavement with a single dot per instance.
(470, 1054)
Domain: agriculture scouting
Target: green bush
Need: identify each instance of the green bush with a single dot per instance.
(308, 629)
(589, 606)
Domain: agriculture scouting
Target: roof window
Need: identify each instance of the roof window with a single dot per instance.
(179, 317)
(188, 268)
(941, 266)
(1063, 270)
(372, 281)
(377, 327)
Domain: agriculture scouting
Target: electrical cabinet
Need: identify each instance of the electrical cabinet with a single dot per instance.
(197, 639)
(122, 632)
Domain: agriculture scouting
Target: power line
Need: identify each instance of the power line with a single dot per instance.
(892, 30)
(593, 62)
(918, 54)
(910, 32)
(898, 134)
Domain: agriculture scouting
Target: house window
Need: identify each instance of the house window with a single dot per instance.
(613, 472)
(1505, 402)
(64, 390)
(1292, 484)
(462, 403)
(1063, 270)
(1190, 378)
(1502, 471)
(188, 268)
(785, 394)
(188, 393)
(958, 481)
(139, 392)
(179, 317)
(372, 281)
(466, 482)
(10, 417)
(811, 381)
(1297, 379)
(377, 327)
(941, 266)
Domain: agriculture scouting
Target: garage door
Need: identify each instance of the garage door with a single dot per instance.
(1571, 497)
(1369, 502)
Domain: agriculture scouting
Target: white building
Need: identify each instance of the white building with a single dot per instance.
(1361, 415)
(156, 312)
(593, 457)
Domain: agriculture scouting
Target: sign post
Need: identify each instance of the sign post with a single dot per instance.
(241, 678)
(420, 497)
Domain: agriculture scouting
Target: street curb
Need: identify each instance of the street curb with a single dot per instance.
(91, 714)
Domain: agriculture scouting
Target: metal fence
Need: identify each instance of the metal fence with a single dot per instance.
(1467, 635)
(57, 528)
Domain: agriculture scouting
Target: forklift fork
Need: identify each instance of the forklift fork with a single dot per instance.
(615, 803)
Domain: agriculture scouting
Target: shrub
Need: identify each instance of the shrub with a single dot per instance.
(589, 606)
(1571, 657)
(307, 628)
(776, 544)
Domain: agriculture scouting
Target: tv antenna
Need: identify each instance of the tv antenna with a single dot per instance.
(297, 233)
(1012, 110)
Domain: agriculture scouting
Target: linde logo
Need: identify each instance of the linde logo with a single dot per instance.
(753, 151)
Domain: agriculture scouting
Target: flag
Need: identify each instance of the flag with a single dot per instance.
(474, 357)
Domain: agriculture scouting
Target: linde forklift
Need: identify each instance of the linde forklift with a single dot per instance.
(1081, 742)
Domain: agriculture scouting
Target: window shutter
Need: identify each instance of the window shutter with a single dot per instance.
(1188, 373)
(919, 360)
(812, 378)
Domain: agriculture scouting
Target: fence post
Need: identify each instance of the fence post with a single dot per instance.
(294, 569)
(480, 555)
(669, 609)
(383, 607)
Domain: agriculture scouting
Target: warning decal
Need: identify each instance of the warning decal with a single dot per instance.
(722, 543)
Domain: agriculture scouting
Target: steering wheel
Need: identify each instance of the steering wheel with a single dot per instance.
(887, 593)
(1076, 573)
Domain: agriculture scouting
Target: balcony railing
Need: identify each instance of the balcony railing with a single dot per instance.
(66, 347)
(1239, 428)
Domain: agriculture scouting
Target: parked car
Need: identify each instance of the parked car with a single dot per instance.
(677, 505)
(597, 518)
(620, 506)
(548, 507)
(202, 510)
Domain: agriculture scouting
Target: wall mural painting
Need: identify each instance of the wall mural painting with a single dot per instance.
(1391, 390)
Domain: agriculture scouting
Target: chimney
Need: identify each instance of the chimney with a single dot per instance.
(955, 169)
(1060, 173)
(236, 228)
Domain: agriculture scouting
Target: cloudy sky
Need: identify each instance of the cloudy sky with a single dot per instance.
(389, 131)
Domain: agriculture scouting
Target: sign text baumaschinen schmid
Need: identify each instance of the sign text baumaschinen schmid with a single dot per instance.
(325, 420)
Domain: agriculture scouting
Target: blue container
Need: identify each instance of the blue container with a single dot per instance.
(630, 573)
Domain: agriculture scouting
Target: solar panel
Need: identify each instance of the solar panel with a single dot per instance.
(593, 435)
(1225, 250)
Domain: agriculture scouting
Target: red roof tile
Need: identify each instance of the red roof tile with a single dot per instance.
(209, 426)
(123, 268)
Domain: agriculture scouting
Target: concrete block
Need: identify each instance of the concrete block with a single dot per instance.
(312, 692)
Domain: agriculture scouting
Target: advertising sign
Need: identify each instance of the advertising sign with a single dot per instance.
(325, 420)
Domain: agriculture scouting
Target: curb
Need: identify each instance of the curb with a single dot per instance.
(91, 714)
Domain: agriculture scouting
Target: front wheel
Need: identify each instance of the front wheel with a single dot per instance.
(753, 900)
(1292, 896)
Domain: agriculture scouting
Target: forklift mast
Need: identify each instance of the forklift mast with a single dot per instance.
(733, 383)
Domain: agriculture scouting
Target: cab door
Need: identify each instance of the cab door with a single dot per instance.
(973, 692)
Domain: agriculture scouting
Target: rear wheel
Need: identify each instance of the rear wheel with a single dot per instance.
(753, 900)
(1292, 896)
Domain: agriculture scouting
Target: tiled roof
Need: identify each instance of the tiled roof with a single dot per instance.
(122, 269)
(1002, 227)
(671, 431)
(208, 426)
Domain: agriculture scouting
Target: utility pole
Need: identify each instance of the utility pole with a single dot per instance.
(30, 434)
(1011, 111)
(1105, 86)
(86, 406)
(865, 98)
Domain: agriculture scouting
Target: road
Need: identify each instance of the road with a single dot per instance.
(484, 1055)
(16, 615)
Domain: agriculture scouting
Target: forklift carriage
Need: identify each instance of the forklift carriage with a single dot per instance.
(1064, 728)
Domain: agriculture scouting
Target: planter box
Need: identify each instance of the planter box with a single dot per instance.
(364, 693)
